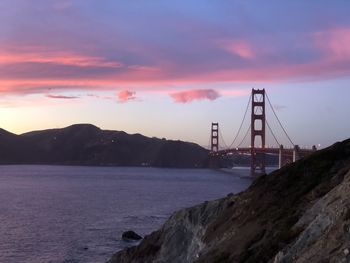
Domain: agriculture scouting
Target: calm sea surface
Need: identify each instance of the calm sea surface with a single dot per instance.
(77, 214)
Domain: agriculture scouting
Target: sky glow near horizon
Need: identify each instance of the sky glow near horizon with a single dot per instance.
(168, 69)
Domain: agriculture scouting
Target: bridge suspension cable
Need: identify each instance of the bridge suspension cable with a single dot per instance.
(273, 135)
(245, 136)
(209, 142)
(240, 127)
(273, 110)
(222, 139)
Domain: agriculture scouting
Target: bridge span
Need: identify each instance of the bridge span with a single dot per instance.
(257, 148)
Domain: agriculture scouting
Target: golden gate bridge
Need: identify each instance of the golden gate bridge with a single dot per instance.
(257, 130)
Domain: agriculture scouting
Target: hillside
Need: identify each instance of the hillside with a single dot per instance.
(85, 144)
(300, 213)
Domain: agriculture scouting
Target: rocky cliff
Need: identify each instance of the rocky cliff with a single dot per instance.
(300, 213)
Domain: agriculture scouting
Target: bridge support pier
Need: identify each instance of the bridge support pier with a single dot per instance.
(280, 157)
(296, 154)
(214, 161)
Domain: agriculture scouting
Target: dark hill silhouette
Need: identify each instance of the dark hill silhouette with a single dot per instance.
(14, 148)
(86, 144)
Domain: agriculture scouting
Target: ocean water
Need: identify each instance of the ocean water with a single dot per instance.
(77, 214)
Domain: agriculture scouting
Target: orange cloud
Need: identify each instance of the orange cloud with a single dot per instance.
(195, 94)
(126, 95)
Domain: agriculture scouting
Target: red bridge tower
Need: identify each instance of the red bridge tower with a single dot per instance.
(214, 136)
(258, 131)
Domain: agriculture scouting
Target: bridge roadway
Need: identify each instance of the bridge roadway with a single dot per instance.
(285, 151)
(286, 155)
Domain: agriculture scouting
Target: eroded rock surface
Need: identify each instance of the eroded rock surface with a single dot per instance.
(300, 213)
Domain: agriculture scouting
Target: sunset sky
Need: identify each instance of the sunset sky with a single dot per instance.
(170, 68)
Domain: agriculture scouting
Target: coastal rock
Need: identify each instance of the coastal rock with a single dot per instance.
(182, 235)
(300, 213)
(131, 236)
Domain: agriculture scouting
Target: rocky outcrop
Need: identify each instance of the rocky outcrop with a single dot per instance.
(131, 236)
(326, 230)
(300, 213)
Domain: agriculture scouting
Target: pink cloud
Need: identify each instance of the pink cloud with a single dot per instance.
(60, 57)
(126, 95)
(140, 80)
(37, 69)
(143, 68)
(195, 94)
(240, 48)
(235, 92)
(61, 97)
(100, 97)
(335, 43)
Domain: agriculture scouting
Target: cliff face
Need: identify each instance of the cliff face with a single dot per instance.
(85, 144)
(300, 213)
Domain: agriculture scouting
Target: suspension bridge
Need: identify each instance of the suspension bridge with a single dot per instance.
(257, 148)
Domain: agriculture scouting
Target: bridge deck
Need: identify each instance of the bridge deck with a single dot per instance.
(285, 151)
